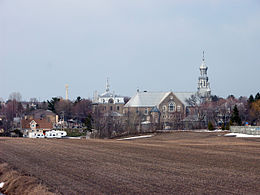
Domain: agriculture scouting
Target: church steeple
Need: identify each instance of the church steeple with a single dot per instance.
(107, 86)
(204, 90)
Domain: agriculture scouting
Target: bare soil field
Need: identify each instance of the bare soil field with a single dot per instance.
(169, 163)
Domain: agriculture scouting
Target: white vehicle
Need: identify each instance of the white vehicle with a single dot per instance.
(36, 135)
(47, 134)
(55, 134)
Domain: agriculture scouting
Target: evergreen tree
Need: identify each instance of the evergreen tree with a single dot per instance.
(214, 98)
(77, 100)
(251, 99)
(88, 122)
(257, 96)
(235, 118)
(51, 104)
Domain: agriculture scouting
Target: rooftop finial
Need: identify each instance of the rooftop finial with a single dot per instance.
(203, 56)
(107, 86)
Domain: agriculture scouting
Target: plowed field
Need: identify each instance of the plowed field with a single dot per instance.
(172, 163)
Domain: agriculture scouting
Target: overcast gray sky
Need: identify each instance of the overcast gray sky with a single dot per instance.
(155, 45)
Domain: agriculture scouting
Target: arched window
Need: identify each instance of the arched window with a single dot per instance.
(171, 107)
(110, 101)
(164, 108)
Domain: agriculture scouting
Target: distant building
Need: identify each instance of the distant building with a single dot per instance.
(42, 114)
(168, 108)
(108, 103)
(204, 91)
(35, 126)
(165, 108)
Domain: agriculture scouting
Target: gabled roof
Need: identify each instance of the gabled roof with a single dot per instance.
(183, 96)
(152, 99)
(41, 123)
(147, 99)
(155, 109)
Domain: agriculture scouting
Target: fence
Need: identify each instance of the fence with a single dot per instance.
(250, 130)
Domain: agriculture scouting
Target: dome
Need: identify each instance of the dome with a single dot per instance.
(107, 94)
(203, 65)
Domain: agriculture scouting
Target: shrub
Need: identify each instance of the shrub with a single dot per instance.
(228, 126)
(210, 126)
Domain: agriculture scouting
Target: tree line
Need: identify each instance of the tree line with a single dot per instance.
(219, 112)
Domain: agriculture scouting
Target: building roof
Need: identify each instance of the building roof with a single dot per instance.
(155, 109)
(108, 94)
(183, 96)
(40, 113)
(41, 123)
(152, 99)
(147, 99)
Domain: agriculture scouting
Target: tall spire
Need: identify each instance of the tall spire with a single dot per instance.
(203, 64)
(107, 86)
(204, 90)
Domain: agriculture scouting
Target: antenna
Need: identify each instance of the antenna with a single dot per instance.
(203, 56)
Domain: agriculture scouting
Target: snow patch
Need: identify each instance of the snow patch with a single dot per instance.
(207, 131)
(136, 137)
(241, 135)
(2, 184)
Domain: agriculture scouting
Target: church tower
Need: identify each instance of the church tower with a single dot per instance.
(204, 91)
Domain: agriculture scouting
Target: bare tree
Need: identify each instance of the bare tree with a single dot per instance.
(15, 96)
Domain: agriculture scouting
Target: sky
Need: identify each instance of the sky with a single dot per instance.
(138, 44)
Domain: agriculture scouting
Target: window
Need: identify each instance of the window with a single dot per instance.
(110, 101)
(117, 108)
(103, 100)
(171, 107)
(105, 107)
(137, 110)
(178, 108)
(164, 108)
(111, 107)
(146, 111)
